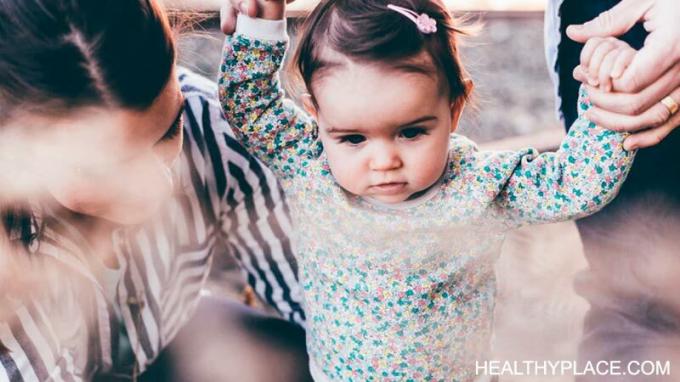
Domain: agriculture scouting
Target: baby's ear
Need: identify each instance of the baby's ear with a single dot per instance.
(458, 105)
(308, 104)
(469, 86)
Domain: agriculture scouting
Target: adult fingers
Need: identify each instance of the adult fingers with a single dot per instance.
(651, 137)
(249, 7)
(636, 103)
(229, 13)
(228, 19)
(613, 22)
(655, 116)
(647, 65)
(661, 49)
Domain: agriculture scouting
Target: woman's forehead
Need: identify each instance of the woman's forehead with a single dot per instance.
(108, 132)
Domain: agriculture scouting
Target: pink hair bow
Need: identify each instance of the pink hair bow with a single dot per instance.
(425, 23)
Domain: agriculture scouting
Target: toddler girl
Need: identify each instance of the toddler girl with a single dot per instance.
(399, 221)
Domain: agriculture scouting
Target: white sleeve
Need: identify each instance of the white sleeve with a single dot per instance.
(552, 38)
(261, 29)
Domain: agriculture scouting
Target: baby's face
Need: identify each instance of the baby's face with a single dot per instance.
(385, 132)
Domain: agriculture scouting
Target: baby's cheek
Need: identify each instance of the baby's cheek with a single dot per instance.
(429, 168)
(347, 173)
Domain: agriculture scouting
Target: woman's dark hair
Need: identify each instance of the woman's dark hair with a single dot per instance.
(59, 55)
(367, 31)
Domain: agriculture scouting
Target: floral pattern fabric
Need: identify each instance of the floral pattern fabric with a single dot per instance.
(406, 292)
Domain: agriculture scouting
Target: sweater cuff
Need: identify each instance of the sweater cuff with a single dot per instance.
(261, 29)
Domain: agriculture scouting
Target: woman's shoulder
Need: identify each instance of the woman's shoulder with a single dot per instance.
(209, 140)
(202, 112)
(198, 91)
(195, 84)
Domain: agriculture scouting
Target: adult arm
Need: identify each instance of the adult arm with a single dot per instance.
(30, 345)
(257, 227)
(252, 214)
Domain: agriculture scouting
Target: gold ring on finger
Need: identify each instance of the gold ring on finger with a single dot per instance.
(671, 105)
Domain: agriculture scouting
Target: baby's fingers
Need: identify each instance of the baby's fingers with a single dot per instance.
(624, 58)
(580, 74)
(589, 49)
(605, 74)
(597, 58)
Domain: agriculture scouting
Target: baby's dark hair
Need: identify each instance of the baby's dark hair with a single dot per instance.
(367, 31)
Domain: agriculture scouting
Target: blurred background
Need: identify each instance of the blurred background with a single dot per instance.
(538, 316)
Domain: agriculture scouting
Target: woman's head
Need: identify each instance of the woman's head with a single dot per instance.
(63, 54)
(91, 83)
(386, 94)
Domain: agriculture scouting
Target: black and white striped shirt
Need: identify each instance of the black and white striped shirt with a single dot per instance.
(226, 199)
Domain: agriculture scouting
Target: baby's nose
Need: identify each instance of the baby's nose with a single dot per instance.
(385, 157)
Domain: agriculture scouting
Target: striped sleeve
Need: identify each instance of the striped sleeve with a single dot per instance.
(253, 216)
(30, 350)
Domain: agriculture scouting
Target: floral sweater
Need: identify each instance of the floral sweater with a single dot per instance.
(404, 292)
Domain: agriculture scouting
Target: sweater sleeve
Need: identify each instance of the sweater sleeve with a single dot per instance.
(580, 178)
(270, 126)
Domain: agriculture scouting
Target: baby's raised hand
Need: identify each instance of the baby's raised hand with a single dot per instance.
(264, 9)
(603, 59)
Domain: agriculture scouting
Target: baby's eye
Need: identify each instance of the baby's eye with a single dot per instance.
(413, 132)
(353, 139)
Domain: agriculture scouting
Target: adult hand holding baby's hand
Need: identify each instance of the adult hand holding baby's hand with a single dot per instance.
(646, 93)
(264, 9)
(661, 49)
(648, 119)
(603, 60)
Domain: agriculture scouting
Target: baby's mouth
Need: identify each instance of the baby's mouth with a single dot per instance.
(390, 188)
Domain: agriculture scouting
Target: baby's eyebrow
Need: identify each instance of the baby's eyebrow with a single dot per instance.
(337, 130)
(426, 118)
